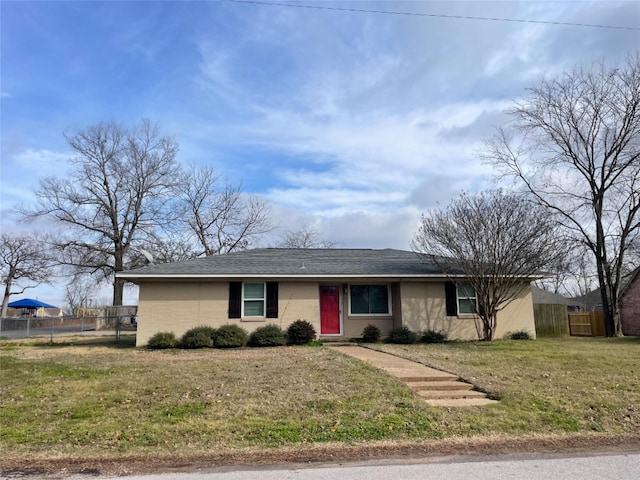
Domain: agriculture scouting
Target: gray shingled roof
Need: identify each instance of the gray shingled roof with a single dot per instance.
(542, 296)
(288, 262)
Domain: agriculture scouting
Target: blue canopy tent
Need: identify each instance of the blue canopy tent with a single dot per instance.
(29, 303)
(29, 306)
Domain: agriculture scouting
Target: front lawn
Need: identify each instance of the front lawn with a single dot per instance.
(546, 385)
(97, 400)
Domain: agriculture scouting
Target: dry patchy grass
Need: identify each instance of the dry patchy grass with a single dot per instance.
(544, 386)
(98, 400)
(86, 401)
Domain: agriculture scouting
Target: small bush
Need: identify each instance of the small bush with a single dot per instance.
(198, 337)
(371, 334)
(403, 336)
(162, 340)
(230, 336)
(521, 335)
(433, 336)
(267, 336)
(300, 332)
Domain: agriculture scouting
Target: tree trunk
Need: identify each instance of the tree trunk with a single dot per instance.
(617, 324)
(612, 325)
(488, 327)
(609, 322)
(118, 283)
(5, 300)
(118, 291)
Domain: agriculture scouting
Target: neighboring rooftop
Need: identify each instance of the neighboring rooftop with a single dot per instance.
(539, 295)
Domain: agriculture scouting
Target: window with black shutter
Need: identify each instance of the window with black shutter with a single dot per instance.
(235, 299)
(272, 299)
(461, 299)
(451, 298)
(253, 299)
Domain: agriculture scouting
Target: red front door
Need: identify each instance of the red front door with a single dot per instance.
(330, 310)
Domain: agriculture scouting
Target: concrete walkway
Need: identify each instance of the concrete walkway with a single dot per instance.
(434, 386)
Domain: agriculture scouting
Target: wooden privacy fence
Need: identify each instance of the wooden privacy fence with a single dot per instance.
(551, 320)
(587, 324)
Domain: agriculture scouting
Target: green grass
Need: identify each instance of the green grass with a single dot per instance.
(95, 399)
(544, 386)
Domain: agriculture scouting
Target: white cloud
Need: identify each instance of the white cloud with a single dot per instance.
(357, 119)
(21, 172)
(362, 229)
(353, 229)
(375, 165)
(41, 159)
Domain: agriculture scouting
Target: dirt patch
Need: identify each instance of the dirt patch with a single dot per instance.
(320, 454)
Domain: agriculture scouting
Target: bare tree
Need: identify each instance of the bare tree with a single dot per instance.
(304, 236)
(583, 278)
(116, 192)
(494, 241)
(218, 214)
(24, 264)
(80, 293)
(574, 144)
(164, 248)
(571, 275)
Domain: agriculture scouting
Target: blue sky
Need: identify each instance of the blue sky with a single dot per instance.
(353, 122)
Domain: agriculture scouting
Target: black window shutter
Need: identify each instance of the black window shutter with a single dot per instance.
(451, 297)
(235, 299)
(272, 299)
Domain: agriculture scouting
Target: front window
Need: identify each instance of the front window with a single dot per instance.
(467, 299)
(369, 300)
(253, 299)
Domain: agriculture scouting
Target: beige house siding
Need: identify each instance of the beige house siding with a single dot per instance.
(297, 301)
(178, 306)
(424, 308)
(518, 315)
(353, 326)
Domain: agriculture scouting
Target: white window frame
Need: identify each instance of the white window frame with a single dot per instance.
(466, 298)
(264, 300)
(389, 306)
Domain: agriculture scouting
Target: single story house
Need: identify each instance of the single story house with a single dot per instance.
(340, 291)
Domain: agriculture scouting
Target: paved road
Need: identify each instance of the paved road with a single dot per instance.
(533, 467)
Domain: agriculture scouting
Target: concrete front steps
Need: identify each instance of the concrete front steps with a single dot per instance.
(434, 386)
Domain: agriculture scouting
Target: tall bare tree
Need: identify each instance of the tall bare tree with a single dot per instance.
(494, 241)
(574, 144)
(116, 192)
(24, 264)
(220, 216)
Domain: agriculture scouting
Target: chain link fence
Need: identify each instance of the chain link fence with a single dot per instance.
(109, 321)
